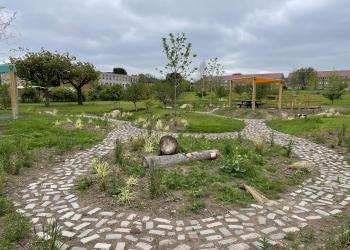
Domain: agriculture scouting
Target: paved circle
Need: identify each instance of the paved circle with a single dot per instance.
(51, 197)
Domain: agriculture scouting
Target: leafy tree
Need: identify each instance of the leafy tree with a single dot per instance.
(163, 91)
(136, 92)
(80, 74)
(202, 72)
(335, 88)
(120, 71)
(43, 68)
(62, 94)
(304, 78)
(179, 58)
(221, 91)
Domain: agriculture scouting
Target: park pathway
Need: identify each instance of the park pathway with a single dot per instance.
(88, 227)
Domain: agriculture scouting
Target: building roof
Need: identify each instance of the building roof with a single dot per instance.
(327, 73)
(277, 76)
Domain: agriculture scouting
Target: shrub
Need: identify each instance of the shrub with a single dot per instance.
(5, 99)
(125, 195)
(62, 94)
(155, 182)
(101, 169)
(197, 193)
(115, 184)
(238, 163)
(341, 134)
(30, 94)
(289, 148)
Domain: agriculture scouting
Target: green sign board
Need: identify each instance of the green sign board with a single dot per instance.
(5, 68)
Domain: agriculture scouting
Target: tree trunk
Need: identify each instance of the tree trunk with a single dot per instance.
(175, 98)
(46, 96)
(80, 96)
(166, 160)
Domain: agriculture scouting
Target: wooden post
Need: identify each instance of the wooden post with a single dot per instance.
(13, 91)
(280, 96)
(254, 93)
(230, 94)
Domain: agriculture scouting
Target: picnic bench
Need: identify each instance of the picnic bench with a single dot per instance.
(248, 104)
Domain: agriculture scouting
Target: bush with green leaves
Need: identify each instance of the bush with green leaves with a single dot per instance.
(62, 94)
(238, 163)
(5, 206)
(119, 153)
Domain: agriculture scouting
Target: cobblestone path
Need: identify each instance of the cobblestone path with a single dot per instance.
(93, 228)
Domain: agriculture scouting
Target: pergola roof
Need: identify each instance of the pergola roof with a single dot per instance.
(258, 80)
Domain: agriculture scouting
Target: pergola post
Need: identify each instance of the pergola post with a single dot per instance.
(280, 96)
(13, 91)
(230, 94)
(254, 93)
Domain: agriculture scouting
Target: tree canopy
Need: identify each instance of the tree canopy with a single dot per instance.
(120, 71)
(335, 88)
(304, 78)
(43, 68)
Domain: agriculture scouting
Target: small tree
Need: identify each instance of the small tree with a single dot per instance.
(202, 72)
(136, 92)
(179, 56)
(80, 74)
(335, 88)
(163, 91)
(221, 91)
(120, 71)
(213, 70)
(43, 68)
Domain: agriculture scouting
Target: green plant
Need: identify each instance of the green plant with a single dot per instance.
(119, 153)
(344, 238)
(347, 143)
(260, 146)
(131, 181)
(114, 184)
(51, 238)
(289, 148)
(238, 163)
(101, 169)
(265, 243)
(272, 138)
(125, 195)
(289, 237)
(155, 182)
(84, 183)
(137, 143)
(16, 227)
(5, 206)
(195, 206)
(197, 193)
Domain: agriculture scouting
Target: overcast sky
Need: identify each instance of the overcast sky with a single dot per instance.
(250, 36)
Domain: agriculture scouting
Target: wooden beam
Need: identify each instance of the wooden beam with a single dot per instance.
(254, 94)
(280, 92)
(13, 91)
(230, 94)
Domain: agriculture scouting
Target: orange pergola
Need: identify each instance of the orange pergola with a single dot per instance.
(254, 81)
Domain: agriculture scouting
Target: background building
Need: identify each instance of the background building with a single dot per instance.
(109, 78)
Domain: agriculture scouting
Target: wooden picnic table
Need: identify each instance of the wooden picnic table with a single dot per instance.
(249, 103)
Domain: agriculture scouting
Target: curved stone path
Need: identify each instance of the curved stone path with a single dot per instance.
(51, 197)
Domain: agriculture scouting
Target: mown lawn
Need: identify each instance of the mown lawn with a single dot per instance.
(38, 130)
(310, 126)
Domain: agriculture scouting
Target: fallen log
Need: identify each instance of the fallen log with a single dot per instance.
(166, 160)
(300, 164)
(258, 197)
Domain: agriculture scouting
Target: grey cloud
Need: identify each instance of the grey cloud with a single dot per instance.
(247, 36)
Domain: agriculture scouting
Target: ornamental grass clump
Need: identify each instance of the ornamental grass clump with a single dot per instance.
(101, 169)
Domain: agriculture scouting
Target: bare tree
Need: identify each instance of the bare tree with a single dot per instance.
(6, 19)
(202, 72)
(178, 53)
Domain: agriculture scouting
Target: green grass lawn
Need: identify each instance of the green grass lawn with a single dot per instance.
(39, 130)
(198, 123)
(310, 125)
